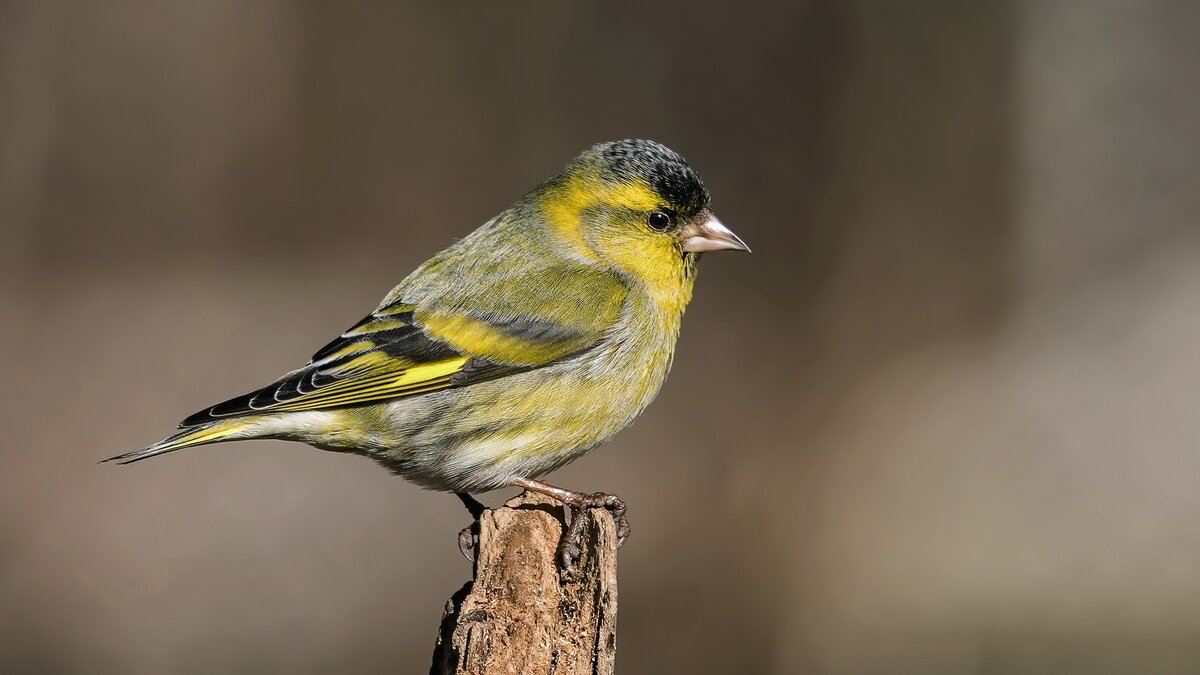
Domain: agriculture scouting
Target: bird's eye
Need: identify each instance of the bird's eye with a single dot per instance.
(657, 220)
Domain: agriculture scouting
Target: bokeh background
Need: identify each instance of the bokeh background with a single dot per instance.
(943, 420)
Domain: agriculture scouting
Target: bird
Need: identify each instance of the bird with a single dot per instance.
(517, 349)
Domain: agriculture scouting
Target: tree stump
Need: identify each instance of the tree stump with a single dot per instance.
(521, 615)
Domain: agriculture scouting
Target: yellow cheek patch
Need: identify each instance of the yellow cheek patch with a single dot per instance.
(656, 263)
(565, 203)
(651, 257)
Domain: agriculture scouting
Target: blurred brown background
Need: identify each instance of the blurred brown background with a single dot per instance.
(943, 420)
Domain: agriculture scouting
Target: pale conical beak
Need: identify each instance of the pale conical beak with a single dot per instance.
(710, 235)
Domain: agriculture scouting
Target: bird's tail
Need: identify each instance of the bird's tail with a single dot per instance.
(213, 432)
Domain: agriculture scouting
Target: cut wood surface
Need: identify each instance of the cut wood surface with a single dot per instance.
(520, 614)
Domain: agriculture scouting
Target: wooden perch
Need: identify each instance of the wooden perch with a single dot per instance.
(520, 615)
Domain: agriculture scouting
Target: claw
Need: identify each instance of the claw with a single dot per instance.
(622, 530)
(570, 546)
(468, 537)
(468, 540)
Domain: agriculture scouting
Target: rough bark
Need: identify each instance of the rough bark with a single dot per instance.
(520, 615)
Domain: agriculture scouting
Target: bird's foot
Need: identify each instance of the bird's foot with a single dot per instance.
(468, 541)
(468, 537)
(570, 546)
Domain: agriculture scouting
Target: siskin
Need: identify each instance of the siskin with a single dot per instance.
(514, 351)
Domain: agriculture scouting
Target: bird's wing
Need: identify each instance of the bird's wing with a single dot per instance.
(403, 349)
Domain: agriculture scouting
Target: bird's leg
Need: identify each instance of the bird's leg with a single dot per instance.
(568, 547)
(468, 537)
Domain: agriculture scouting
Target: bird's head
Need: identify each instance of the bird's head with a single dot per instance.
(636, 205)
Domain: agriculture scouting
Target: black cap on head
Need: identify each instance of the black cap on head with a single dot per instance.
(663, 169)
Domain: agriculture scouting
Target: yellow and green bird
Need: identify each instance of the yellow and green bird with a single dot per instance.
(512, 352)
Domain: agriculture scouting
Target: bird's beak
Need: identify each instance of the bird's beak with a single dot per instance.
(710, 235)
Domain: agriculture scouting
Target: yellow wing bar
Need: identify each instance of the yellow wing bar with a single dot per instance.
(377, 381)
